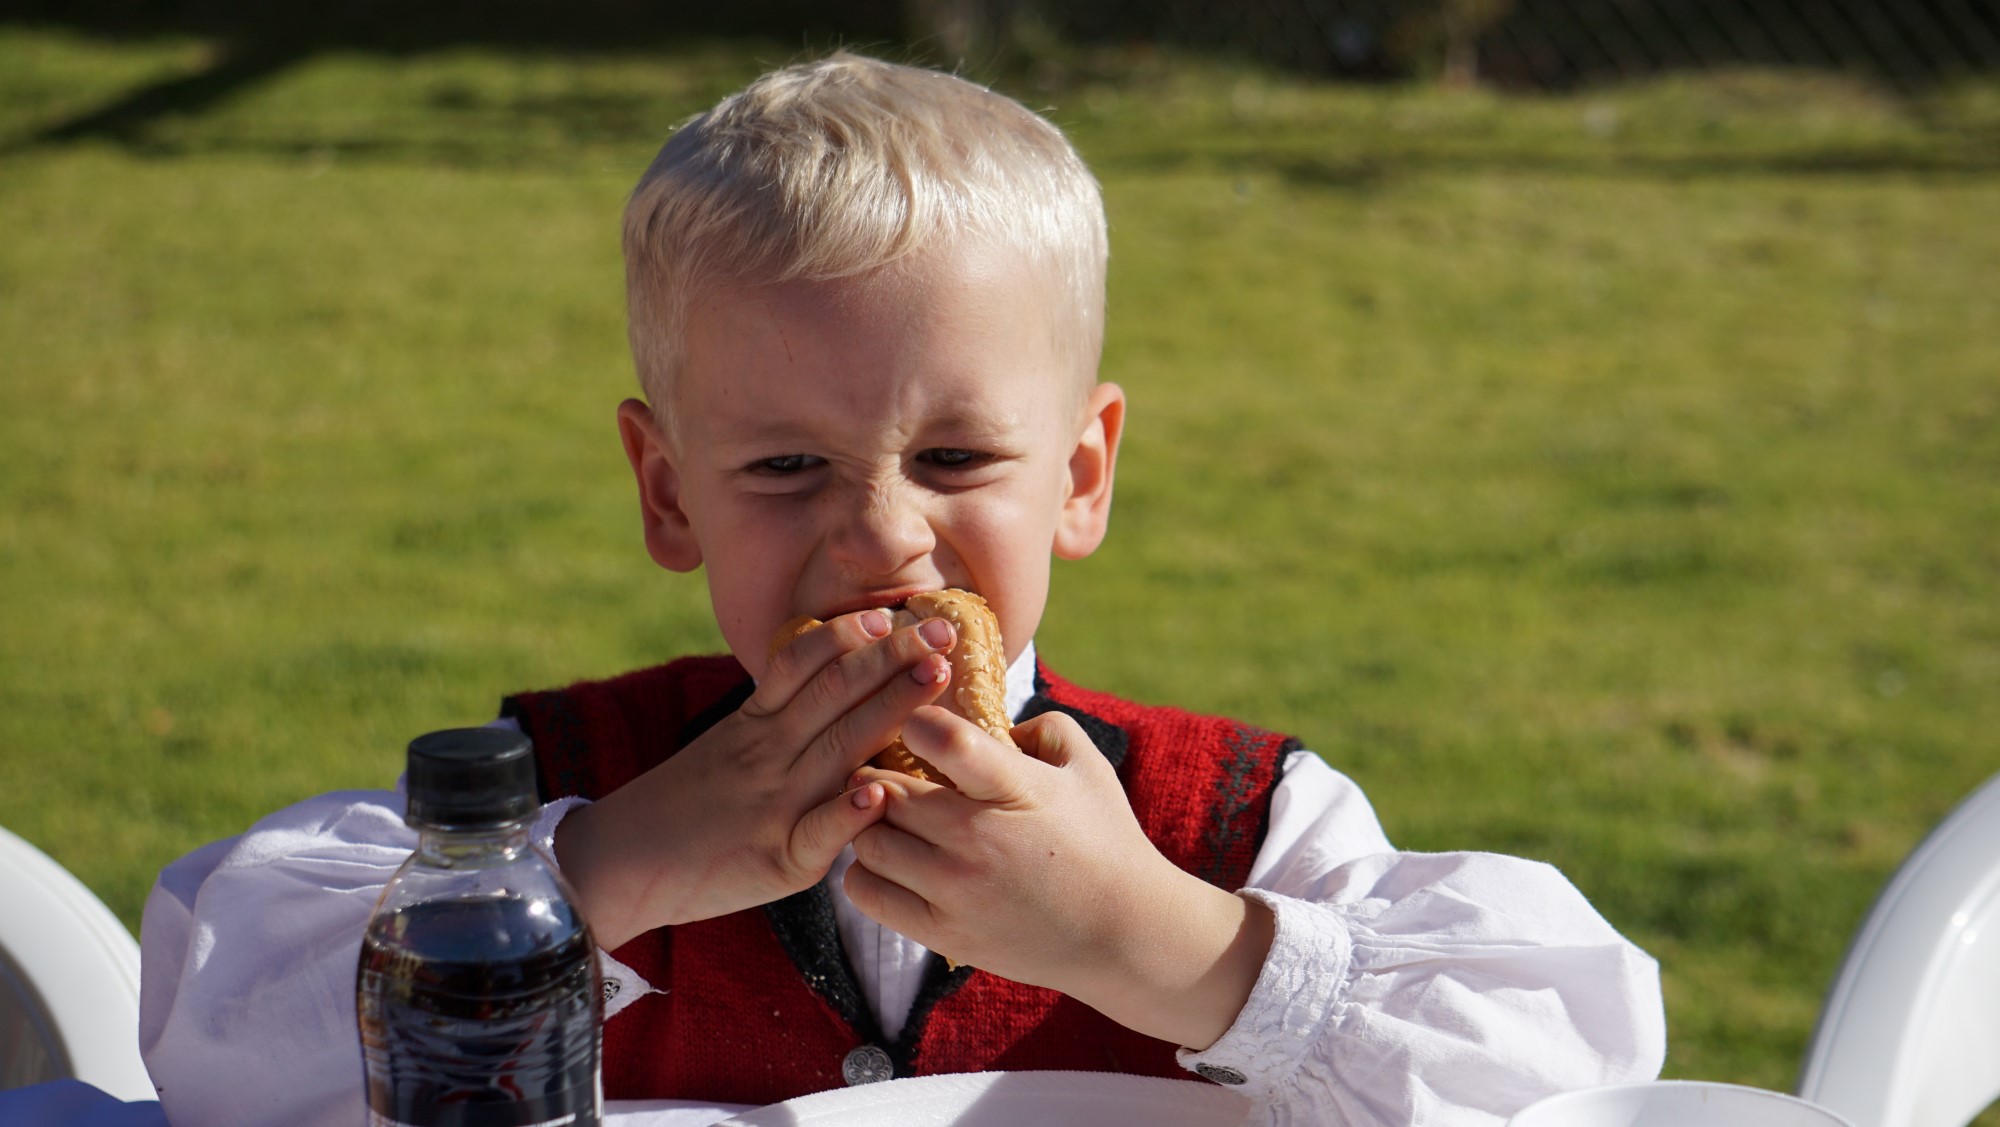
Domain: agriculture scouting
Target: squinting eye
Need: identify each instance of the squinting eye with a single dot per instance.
(784, 464)
(951, 459)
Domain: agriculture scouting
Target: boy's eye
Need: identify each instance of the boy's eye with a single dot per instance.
(784, 464)
(951, 458)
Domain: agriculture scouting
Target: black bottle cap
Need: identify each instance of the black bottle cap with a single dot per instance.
(470, 779)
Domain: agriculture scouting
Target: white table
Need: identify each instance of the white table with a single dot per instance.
(73, 1103)
(978, 1099)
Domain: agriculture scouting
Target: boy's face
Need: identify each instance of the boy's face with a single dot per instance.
(846, 444)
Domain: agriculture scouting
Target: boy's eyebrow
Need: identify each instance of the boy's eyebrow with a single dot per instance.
(759, 430)
(765, 430)
(976, 424)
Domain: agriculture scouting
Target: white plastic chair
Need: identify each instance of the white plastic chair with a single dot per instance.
(69, 981)
(1675, 1103)
(1910, 1034)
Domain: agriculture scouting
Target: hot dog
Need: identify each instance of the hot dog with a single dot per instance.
(978, 670)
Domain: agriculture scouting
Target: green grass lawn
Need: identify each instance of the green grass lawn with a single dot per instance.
(1612, 479)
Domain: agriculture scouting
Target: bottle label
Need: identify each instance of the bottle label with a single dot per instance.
(480, 1012)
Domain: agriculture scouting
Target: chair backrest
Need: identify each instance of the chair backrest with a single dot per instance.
(69, 980)
(1910, 1034)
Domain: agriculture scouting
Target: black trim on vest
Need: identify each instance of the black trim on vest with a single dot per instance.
(1110, 739)
(565, 750)
(940, 982)
(1232, 791)
(805, 928)
(712, 715)
(804, 921)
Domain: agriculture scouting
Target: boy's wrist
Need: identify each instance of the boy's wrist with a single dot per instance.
(574, 857)
(1184, 967)
(583, 845)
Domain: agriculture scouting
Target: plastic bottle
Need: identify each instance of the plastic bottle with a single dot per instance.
(477, 993)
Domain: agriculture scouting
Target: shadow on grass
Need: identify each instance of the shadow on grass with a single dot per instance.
(124, 119)
(260, 41)
(1364, 172)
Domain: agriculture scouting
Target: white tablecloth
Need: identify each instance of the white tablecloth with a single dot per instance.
(73, 1103)
(979, 1099)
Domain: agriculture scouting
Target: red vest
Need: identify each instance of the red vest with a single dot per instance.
(761, 1005)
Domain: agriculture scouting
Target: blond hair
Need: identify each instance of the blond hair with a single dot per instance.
(835, 168)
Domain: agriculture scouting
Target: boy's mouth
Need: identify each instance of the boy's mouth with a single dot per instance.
(853, 605)
(892, 600)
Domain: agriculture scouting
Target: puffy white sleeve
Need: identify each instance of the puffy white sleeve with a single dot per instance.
(1441, 989)
(248, 953)
(247, 961)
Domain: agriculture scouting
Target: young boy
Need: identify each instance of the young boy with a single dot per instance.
(866, 307)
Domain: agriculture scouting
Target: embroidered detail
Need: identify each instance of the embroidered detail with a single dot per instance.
(610, 990)
(1309, 966)
(1247, 747)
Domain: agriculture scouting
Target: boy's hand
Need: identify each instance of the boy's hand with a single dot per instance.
(754, 809)
(1036, 869)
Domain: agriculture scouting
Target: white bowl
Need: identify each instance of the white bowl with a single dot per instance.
(1675, 1103)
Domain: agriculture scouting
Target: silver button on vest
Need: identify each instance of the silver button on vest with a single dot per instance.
(866, 1064)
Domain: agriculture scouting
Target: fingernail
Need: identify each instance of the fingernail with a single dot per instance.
(875, 623)
(937, 632)
(865, 797)
(931, 671)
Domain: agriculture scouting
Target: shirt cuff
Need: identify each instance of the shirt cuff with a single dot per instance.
(1301, 988)
(542, 831)
(621, 984)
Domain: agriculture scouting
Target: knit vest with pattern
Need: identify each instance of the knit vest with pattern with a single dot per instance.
(761, 1005)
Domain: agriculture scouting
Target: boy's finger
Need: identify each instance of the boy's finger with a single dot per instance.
(889, 903)
(901, 787)
(793, 665)
(928, 811)
(887, 669)
(1054, 738)
(826, 829)
(858, 731)
(909, 861)
(984, 769)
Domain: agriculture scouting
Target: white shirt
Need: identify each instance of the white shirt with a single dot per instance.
(1445, 989)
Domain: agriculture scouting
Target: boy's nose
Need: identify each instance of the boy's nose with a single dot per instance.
(879, 530)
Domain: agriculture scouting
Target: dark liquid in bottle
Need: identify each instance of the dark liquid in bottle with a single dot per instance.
(480, 1013)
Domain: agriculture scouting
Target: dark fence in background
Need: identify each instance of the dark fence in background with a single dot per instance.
(1519, 44)
(1553, 44)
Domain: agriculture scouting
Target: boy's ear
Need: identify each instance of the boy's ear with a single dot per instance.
(1086, 512)
(669, 536)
